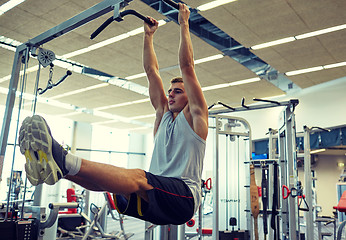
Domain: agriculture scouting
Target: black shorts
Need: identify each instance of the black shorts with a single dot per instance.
(170, 202)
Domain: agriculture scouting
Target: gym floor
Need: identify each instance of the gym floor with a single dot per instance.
(136, 226)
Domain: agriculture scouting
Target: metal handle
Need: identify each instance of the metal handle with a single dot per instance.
(171, 3)
(118, 19)
(283, 192)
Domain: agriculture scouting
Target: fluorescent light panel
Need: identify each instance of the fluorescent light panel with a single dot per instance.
(123, 104)
(317, 151)
(213, 4)
(313, 69)
(143, 116)
(224, 85)
(334, 65)
(298, 37)
(210, 58)
(320, 32)
(9, 5)
(80, 90)
(306, 70)
(273, 43)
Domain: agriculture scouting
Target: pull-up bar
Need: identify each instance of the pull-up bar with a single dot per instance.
(118, 19)
(268, 104)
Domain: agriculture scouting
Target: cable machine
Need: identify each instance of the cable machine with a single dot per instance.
(229, 127)
(284, 220)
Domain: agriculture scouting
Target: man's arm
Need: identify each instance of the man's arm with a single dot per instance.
(197, 105)
(156, 92)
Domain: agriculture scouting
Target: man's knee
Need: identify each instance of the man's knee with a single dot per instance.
(142, 180)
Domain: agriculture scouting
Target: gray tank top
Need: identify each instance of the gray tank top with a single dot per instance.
(179, 153)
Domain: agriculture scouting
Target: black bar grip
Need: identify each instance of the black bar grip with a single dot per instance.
(137, 14)
(121, 15)
(102, 27)
(265, 100)
(171, 3)
(68, 73)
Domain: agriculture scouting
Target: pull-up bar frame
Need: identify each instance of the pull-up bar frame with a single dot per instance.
(32, 44)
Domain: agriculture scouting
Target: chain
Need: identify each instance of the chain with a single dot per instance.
(50, 82)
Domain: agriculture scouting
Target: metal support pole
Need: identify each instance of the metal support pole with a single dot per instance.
(11, 97)
(283, 175)
(309, 234)
(292, 173)
(216, 195)
(288, 165)
(272, 155)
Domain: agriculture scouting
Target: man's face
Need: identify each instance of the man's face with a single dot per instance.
(177, 98)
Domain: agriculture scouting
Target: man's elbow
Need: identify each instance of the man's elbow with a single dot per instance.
(187, 67)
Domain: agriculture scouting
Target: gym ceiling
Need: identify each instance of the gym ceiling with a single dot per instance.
(225, 50)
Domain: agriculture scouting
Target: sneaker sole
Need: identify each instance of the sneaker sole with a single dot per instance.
(36, 142)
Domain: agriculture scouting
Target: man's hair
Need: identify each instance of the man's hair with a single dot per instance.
(176, 79)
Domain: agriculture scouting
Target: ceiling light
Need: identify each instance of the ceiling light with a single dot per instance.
(123, 104)
(213, 4)
(105, 122)
(273, 43)
(143, 116)
(320, 32)
(104, 114)
(298, 37)
(306, 70)
(9, 5)
(341, 64)
(81, 90)
(210, 58)
(136, 129)
(136, 31)
(317, 151)
(250, 80)
(217, 86)
(139, 75)
(341, 164)
(223, 85)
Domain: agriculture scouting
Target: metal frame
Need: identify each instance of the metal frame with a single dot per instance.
(287, 163)
(272, 155)
(218, 132)
(288, 166)
(309, 233)
(31, 46)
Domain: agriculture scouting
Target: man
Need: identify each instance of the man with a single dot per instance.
(170, 192)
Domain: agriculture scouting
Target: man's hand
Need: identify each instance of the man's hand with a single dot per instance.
(184, 14)
(150, 29)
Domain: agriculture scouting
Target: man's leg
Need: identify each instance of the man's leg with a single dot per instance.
(105, 177)
(47, 162)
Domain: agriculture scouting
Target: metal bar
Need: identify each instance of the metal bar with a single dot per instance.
(292, 174)
(283, 176)
(234, 133)
(75, 22)
(216, 184)
(309, 233)
(292, 102)
(272, 153)
(11, 97)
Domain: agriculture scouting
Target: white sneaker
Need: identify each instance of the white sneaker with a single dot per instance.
(37, 144)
